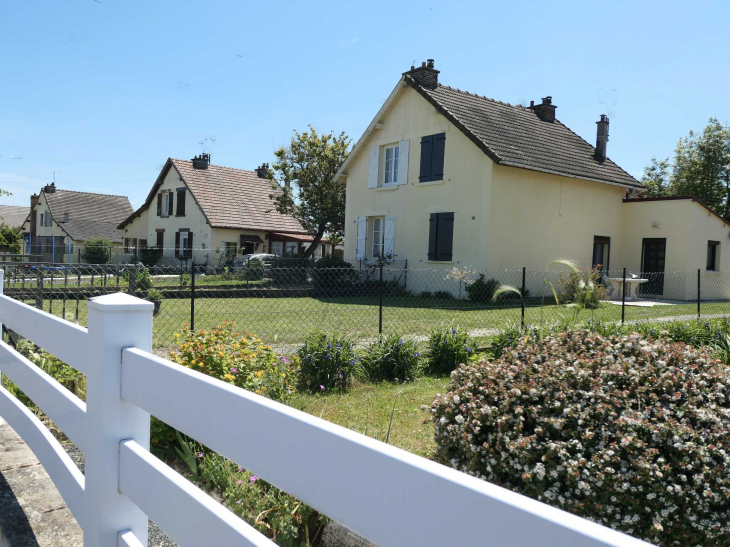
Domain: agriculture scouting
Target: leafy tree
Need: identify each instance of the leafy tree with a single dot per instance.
(9, 239)
(98, 250)
(701, 168)
(302, 177)
(656, 179)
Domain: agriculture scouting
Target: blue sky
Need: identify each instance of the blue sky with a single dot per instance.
(103, 91)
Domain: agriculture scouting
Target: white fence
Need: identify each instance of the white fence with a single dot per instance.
(389, 496)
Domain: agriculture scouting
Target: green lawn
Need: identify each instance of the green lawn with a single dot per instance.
(289, 320)
(367, 409)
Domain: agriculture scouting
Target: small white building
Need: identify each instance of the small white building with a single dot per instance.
(206, 212)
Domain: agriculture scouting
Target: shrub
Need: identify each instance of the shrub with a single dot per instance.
(10, 239)
(328, 361)
(333, 272)
(425, 294)
(253, 270)
(142, 279)
(443, 295)
(287, 271)
(627, 432)
(482, 291)
(391, 358)
(582, 287)
(448, 348)
(508, 338)
(97, 250)
(149, 256)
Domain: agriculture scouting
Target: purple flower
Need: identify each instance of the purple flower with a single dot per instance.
(468, 349)
(238, 502)
(400, 342)
(453, 331)
(240, 469)
(253, 479)
(418, 354)
(234, 370)
(352, 361)
(200, 454)
(329, 345)
(239, 481)
(285, 360)
(321, 387)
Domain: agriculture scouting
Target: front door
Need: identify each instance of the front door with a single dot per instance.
(653, 253)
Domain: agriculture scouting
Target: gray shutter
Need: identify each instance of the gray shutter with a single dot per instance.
(159, 204)
(433, 224)
(445, 236)
(388, 236)
(437, 163)
(362, 226)
(177, 244)
(426, 155)
(403, 147)
(373, 167)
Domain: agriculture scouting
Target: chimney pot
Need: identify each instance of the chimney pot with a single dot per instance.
(201, 162)
(601, 137)
(425, 75)
(262, 170)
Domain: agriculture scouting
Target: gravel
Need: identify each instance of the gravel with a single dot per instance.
(157, 538)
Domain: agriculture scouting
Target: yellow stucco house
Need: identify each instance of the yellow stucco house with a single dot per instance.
(444, 178)
(196, 210)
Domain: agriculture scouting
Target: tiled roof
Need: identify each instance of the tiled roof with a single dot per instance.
(235, 198)
(90, 215)
(230, 198)
(13, 215)
(514, 135)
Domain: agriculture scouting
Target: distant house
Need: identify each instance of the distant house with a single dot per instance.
(212, 213)
(60, 221)
(445, 178)
(13, 215)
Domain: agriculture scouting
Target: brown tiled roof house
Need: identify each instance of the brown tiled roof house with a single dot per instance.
(13, 215)
(196, 209)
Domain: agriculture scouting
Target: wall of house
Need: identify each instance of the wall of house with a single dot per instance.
(463, 191)
(54, 230)
(538, 217)
(687, 227)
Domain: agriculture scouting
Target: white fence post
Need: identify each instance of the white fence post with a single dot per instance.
(115, 321)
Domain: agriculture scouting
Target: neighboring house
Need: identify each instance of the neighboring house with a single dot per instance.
(444, 178)
(13, 215)
(211, 213)
(61, 221)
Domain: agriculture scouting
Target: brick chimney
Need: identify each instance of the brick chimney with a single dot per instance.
(425, 75)
(601, 137)
(201, 162)
(262, 170)
(49, 188)
(33, 214)
(546, 110)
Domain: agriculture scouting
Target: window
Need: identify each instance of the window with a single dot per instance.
(141, 244)
(390, 165)
(432, 157)
(160, 241)
(377, 237)
(440, 236)
(126, 245)
(180, 211)
(40, 223)
(712, 248)
(277, 248)
(183, 243)
(49, 219)
(601, 252)
(291, 248)
(229, 248)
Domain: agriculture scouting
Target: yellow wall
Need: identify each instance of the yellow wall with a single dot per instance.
(464, 190)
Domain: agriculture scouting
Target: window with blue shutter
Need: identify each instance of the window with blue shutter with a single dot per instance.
(441, 237)
(433, 148)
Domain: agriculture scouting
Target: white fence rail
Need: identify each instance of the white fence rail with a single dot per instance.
(389, 496)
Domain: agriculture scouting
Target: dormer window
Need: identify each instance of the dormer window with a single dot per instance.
(390, 165)
(65, 217)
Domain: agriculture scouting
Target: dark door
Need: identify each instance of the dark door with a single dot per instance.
(653, 254)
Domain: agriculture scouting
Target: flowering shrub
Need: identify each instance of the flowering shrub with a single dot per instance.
(328, 361)
(582, 287)
(391, 358)
(630, 433)
(448, 348)
(239, 359)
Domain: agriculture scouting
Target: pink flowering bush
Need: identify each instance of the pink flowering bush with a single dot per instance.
(628, 432)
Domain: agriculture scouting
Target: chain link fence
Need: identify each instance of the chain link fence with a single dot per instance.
(284, 300)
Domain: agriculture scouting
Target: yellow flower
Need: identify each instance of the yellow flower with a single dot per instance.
(177, 335)
(229, 377)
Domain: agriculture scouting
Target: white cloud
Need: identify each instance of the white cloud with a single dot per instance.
(349, 42)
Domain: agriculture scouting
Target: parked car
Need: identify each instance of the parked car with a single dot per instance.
(265, 258)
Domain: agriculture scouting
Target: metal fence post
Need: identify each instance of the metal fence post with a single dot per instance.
(132, 281)
(192, 298)
(116, 321)
(623, 299)
(380, 291)
(39, 290)
(699, 314)
(524, 271)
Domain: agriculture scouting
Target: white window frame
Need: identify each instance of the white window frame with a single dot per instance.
(377, 237)
(184, 238)
(390, 166)
(288, 245)
(166, 197)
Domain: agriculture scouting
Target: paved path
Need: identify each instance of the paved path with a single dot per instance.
(32, 512)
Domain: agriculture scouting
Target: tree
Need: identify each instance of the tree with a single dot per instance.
(656, 179)
(701, 168)
(9, 239)
(302, 178)
(98, 250)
